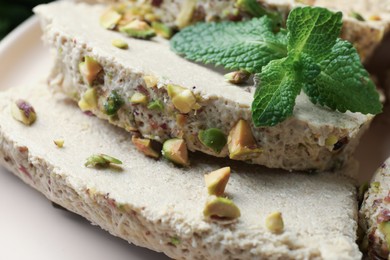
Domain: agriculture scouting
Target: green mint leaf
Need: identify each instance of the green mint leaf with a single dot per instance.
(312, 31)
(248, 45)
(343, 83)
(274, 99)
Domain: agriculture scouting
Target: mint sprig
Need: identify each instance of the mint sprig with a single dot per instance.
(248, 45)
(310, 57)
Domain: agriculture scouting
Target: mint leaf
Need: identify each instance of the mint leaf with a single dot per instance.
(343, 83)
(313, 31)
(248, 45)
(275, 98)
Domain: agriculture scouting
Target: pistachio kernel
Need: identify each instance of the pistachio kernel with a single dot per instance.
(101, 160)
(241, 143)
(89, 100)
(175, 241)
(274, 222)
(384, 227)
(156, 105)
(182, 99)
(162, 30)
(185, 14)
(138, 29)
(216, 181)
(237, 77)
(113, 103)
(59, 143)
(139, 98)
(175, 150)
(150, 81)
(110, 19)
(119, 43)
(145, 147)
(89, 69)
(357, 16)
(23, 112)
(221, 208)
(375, 186)
(374, 18)
(213, 138)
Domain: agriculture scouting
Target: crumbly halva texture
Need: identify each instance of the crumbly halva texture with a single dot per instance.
(159, 206)
(375, 214)
(178, 99)
(365, 35)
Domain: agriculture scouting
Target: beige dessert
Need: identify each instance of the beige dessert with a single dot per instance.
(150, 90)
(365, 21)
(154, 204)
(375, 214)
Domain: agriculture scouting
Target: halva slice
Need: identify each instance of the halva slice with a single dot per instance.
(154, 204)
(151, 90)
(375, 214)
(365, 21)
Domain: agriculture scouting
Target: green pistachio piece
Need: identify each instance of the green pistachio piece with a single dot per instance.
(241, 143)
(156, 105)
(23, 112)
(110, 19)
(89, 100)
(89, 69)
(237, 77)
(175, 150)
(186, 12)
(138, 29)
(59, 143)
(213, 138)
(182, 99)
(219, 207)
(216, 181)
(119, 43)
(145, 146)
(101, 160)
(175, 241)
(113, 103)
(274, 222)
(139, 98)
(162, 30)
(357, 16)
(384, 227)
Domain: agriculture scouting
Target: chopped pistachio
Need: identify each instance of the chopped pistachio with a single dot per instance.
(151, 81)
(175, 150)
(23, 111)
(113, 103)
(182, 99)
(162, 30)
(138, 29)
(119, 43)
(181, 120)
(362, 190)
(89, 69)
(274, 222)
(374, 18)
(241, 143)
(219, 207)
(139, 98)
(357, 16)
(156, 105)
(145, 146)
(213, 138)
(384, 227)
(110, 19)
(375, 186)
(101, 160)
(185, 14)
(89, 100)
(237, 77)
(331, 140)
(216, 181)
(175, 241)
(59, 143)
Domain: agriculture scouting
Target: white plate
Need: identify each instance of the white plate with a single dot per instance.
(31, 229)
